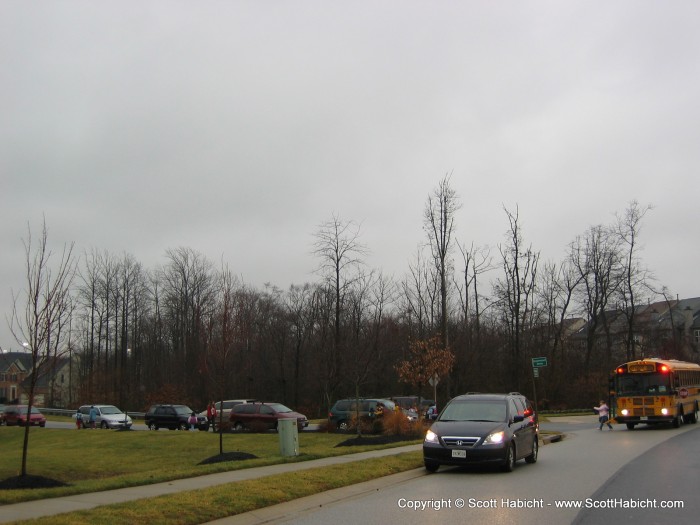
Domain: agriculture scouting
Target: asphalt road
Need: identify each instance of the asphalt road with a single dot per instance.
(588, 468)
(667, 473)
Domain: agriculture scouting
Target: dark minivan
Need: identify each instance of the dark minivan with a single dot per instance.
(343, 411)
(476, 428)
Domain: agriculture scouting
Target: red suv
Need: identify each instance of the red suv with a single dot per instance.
(263, 416)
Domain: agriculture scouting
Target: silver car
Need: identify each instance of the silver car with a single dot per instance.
(107, 416)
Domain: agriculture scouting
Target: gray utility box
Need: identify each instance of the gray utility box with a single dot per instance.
(289, 437)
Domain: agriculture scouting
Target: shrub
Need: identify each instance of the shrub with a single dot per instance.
(367, 425)
(397, 424)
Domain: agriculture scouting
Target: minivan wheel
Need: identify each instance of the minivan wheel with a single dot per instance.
(238, 427)
(532, 458)
(509, 464)
(431, 467)
(342, 425)
(103, 424)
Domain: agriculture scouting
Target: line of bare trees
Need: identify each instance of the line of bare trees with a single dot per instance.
(190, 331)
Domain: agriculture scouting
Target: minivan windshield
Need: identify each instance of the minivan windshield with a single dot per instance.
(279, 408)
(107, 410)
(472, 410)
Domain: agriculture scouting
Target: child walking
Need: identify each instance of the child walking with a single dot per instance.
(192, 421)
(603, 415)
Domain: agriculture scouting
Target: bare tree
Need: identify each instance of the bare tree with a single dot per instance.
(223, 340)
(188, 292)
(439, 225)
(476, 261)
(340, 252)
(367, 303)
(301, 310)
(595, 258)
(39, 313)
(419, 300)
(516, 292)
(635, 279)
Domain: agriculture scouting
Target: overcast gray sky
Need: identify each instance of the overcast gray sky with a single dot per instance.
(236, 127)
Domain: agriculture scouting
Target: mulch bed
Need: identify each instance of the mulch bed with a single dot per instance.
(30, 482)
(228, 456)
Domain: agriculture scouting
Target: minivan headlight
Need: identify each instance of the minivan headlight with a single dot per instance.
(431, 437)
(495, 439)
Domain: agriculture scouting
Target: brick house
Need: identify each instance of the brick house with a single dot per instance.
(52, 387)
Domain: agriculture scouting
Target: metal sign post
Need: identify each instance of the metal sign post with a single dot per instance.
(433, 381)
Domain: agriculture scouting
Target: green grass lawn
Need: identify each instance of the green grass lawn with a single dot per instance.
(204, 505)
(93, 460)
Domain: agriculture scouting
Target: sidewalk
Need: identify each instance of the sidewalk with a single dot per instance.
(49, 507)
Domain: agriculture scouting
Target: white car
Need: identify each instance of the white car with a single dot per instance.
(108, 416)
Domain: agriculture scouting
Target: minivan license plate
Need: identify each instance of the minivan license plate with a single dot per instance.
(459, 453)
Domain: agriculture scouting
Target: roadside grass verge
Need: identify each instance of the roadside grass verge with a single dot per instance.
(95, 460)
(200, 506)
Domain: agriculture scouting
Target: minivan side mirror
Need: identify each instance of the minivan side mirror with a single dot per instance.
(518, 419)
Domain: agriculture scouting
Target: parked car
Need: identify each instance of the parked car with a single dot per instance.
(19, 415)
(173, 417)
(483, 428)
(263, 416)
(225, 407)
(108, 416)
(344, 410)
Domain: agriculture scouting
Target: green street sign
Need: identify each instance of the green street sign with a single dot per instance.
(539, 361)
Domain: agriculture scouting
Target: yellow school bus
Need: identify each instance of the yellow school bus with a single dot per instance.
(654, 391)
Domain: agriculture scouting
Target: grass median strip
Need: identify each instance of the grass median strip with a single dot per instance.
(96, 460)
(200, 506)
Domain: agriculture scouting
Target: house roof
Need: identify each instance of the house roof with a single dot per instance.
(22, 360)
(44, 377)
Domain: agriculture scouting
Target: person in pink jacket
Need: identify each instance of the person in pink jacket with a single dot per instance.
(603, 415)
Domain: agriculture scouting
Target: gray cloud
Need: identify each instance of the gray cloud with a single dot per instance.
(236, 128)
